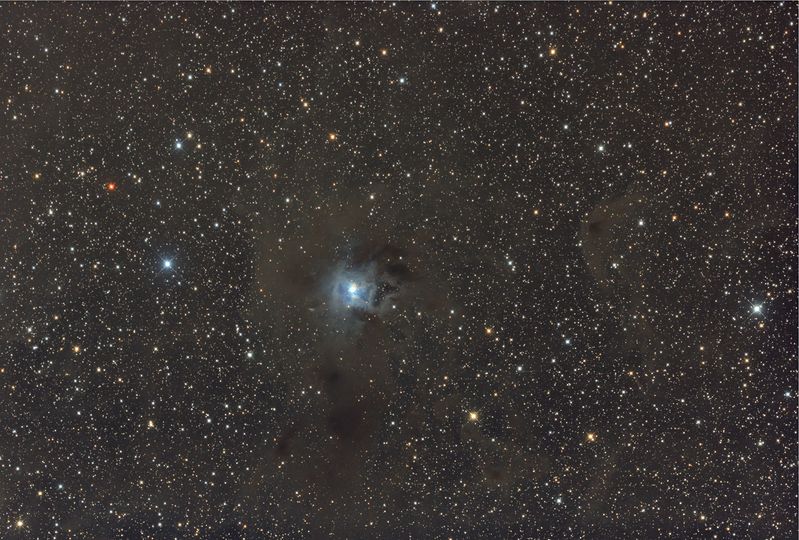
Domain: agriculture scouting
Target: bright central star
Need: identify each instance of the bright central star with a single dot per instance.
(353, 288)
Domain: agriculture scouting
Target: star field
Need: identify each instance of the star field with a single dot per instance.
(398, 270)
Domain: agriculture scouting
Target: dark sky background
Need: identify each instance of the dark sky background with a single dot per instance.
(398, 270)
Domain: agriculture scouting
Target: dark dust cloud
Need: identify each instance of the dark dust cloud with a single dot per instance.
(398, 270)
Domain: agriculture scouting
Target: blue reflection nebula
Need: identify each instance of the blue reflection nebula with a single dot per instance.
(355, 294)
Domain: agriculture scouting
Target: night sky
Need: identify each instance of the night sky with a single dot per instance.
(424, 270)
